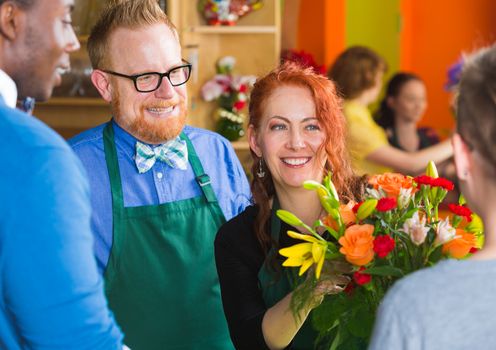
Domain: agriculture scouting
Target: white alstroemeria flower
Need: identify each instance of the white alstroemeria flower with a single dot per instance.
(211, 90)
(227, 62)
(376, 194)
(416, 229)
(404, 197)
(445, 232)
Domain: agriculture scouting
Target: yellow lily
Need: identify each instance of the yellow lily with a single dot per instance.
(305, 254)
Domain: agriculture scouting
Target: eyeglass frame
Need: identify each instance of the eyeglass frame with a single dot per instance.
(135, 77)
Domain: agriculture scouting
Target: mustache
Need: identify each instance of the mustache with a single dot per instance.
(161, 104)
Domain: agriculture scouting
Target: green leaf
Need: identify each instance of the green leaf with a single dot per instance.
(409, 214)
(461, 200)
(332, 256)
(384, 271)
(289, 218)
(332, 232)
(326, 316)
(361, 323)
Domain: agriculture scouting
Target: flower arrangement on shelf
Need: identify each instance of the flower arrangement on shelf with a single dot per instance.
(227, 12)
(396, 230)
(231, 92)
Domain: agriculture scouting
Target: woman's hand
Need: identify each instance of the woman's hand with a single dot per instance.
(333, 280)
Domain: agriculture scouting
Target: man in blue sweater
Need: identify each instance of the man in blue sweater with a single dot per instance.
(51, 295)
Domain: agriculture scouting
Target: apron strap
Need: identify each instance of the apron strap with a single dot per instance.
(113, 167)
(200, 176)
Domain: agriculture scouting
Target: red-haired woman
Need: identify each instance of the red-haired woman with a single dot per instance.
(296, 133)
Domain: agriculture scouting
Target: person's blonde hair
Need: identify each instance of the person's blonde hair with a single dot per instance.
(129, 14)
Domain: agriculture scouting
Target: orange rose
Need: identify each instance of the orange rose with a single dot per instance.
(460, 246)
(391, 183)
(357, 244)
(347, 215)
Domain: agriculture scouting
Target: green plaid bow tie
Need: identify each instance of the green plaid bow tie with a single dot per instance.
(174, 153)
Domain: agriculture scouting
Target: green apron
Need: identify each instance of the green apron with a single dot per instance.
(274, 288)
(161, 282)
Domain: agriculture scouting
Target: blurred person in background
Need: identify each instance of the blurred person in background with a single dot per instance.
(358, 73)
(400, 111)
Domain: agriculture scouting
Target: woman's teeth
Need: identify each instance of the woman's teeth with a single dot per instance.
(295, 161)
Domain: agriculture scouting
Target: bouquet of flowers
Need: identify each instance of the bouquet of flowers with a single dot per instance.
(396, 230)
(231, 91)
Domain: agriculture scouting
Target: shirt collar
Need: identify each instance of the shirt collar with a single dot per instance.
(8, 89)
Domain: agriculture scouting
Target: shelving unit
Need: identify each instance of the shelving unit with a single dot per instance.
(254, 42)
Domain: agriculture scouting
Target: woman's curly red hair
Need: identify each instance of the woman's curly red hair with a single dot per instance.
(328, 108)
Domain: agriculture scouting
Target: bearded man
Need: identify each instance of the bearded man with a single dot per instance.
(159, 189)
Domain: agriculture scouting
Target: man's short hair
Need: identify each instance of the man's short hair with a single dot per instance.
(129, 14)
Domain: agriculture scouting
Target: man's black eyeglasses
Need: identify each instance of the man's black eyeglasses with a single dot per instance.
(151, 81)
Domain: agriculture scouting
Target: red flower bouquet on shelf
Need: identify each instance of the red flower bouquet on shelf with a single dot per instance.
(396, 230)
(232, 93)
(304, 58)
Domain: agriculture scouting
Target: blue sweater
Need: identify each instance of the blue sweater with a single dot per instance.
(51, 295)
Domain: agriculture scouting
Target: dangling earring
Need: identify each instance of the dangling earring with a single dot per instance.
(261, 172)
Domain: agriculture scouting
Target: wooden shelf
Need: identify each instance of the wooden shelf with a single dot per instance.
(241, 145)
(233, 29)
(75, 101)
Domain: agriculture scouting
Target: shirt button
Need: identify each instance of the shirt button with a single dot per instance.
(160, 175)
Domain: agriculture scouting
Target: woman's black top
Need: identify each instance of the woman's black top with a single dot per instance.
(427, 137)
(239, 258)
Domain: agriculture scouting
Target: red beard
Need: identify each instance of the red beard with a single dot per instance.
(149, 129)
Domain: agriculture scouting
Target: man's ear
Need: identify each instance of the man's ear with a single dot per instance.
(463, 157)
(10, 20)
(102, 83)
(252, 140)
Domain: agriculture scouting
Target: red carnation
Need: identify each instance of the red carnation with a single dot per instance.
(239, 105)
(460, 210)
(383, 245)
(424, 180)
(362, 278)
(243, 88)
(386, 204)
(356, 207)
(473, 250)
(444, 183)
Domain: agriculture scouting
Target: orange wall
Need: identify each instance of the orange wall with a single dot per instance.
(321, 29)
(434, 35)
